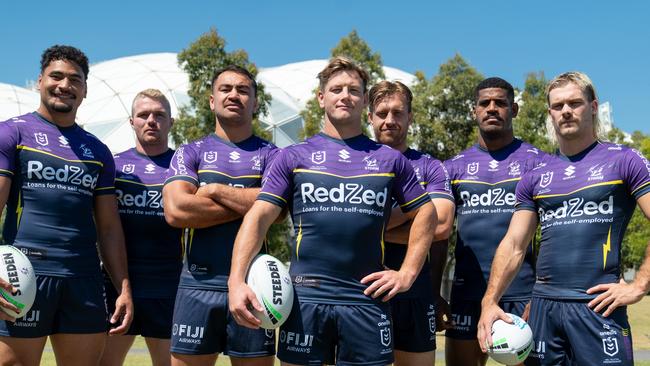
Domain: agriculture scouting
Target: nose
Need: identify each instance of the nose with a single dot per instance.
(151, 118)
(566, 109)
(492, 106)
(64, 83)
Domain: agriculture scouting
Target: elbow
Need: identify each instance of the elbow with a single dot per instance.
(175, 219)
(443, 230)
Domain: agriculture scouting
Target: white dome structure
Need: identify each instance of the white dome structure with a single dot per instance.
(113, 84)
(15, 101)
(291, 86)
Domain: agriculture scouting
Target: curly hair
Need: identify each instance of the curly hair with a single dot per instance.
(65, 53)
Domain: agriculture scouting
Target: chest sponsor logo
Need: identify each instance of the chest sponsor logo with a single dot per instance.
(210, 156)
(318, 157)
(569, 172)
(493, 197)
(472, 168)
(494, 165)
(577, 207)
(147, 198)
(234, 157)
(257, 162)
(596, 172)
(66, 174)
(545, 179)
(41, 138)
(128, 168)
(352, 193)
(63, 142)
(149, 169)
(344, 156)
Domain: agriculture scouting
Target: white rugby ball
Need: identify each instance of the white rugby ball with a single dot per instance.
(16, 269)
(269, 278)
(511, 343)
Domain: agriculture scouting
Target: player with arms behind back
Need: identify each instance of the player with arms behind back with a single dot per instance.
(483, 180)
(583, 198)
(57, 182)
(413, 311)
(153, 247)
(338, 185)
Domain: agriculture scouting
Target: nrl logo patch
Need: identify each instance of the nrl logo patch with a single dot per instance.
(128, 168)
(41, 138)
(546, 179)
(318, 157)
(472, 168)
(210, 156)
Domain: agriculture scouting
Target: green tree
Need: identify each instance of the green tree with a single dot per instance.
(530, 124)
(200, 60)
(442, 109)
(638, 230)
(355, 48)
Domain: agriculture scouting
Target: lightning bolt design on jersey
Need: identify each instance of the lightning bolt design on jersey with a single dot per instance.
(298, 238)
(607, 246)
(19, 209)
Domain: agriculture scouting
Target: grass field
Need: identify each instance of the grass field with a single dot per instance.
(639, 315)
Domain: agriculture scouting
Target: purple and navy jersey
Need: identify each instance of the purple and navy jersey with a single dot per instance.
(434, 179)
(484, 185)
(339, 193)
(584, 203)
(154, 249)
(208, 160)
(56, 173)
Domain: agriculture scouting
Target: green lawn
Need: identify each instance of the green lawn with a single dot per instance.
(639, 315)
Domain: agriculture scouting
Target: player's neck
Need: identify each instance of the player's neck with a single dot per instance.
(59, 119)
(575, 146)
(495, 143)
(234, 132)
(342, 131)
(151, 149)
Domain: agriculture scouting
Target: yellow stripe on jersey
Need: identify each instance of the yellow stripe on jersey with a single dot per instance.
(274, 195)
(415, 199)
(230, 176)
(137, 183)
(610, 183)
(458, 181)
(21, 147)
(191, 238)
(641, 186)
(342, 176)
(183, 240)
(6, 171)
(299, 238)
(607, 246)
(104, 188)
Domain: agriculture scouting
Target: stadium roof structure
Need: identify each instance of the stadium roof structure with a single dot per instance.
(113, 84)
(15, 101)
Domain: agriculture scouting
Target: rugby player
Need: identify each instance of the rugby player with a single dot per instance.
(338, 185)
(583, 198)
(483, 180)
(212, 183)
(414, 311)
(57, 182)
(153, 247)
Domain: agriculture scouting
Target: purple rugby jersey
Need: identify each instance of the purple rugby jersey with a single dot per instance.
(154, 249)
(584, 203)
(484, 185)
(339, 193)
(56, 174)
(211, 159)
(434, 178)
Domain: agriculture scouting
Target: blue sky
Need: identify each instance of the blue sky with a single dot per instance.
(609, 41)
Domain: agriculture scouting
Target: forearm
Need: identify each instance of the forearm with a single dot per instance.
(399, 234)
(506, 263)
(642, 278)
(239, 200)
(420, 238)
(112, 251)
(185, 209)
(437, 261)
(249, 239)
(397, 218)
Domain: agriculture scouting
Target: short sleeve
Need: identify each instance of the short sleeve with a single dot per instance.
(277, 180)
(9, 139)
(106, 180)
(635, 170)
(437, 180)
(184, 165)
(524, 193)
(407, 190)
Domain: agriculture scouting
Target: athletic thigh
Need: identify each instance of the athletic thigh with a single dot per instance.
(21, 351)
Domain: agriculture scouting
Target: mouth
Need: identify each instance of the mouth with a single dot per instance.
(492, 119)
(64, 96)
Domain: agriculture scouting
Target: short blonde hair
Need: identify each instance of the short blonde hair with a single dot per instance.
(385, 89)
(338, 64)
(587, 86)
(154, 94)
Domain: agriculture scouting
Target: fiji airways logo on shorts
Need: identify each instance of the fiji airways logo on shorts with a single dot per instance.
(188, 333)
(610, 346)
(128, 168)
(210, 156)
(545, 179)
(472, 168)
(41, 138)
(318, 157)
